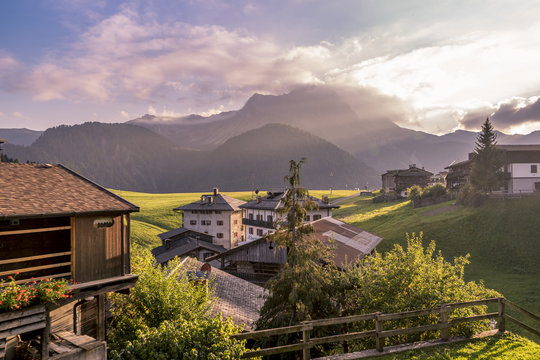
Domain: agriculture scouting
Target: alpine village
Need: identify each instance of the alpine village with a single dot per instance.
(249, 180)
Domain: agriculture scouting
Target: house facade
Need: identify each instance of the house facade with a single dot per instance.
(217, 215)
(400, 180)
(261, 216)
(56, 224)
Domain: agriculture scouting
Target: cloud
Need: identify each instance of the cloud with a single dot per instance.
(509, 115)
(17, 114)
(1, 114)
(124, 114)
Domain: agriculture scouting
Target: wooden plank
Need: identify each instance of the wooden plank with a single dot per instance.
(2, 348)
(343, 320)
(409, 314)
(34, 268)
(25, 312)
(343, 337)
(100, 319)
(492, 315)
(36, 257)
(270, 332)
(38, 230)
(412, 330)
(10, 324)
(60, 349)
(473, 303)
(522, 310)
(54, 276)
(22, 329)
(525, 326)
(88, 284)
(275, 350)
(45, 335)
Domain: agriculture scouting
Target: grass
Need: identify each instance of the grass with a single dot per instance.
(157, 215)
(502, 347)
(501, 237)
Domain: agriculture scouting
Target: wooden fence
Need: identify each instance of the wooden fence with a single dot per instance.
(379, 332)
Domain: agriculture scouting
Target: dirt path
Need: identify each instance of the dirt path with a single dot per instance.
(441, 210)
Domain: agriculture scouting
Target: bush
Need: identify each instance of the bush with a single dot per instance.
(434, 190)
(411, 279)
(166, 316)
(415, 192)
(469, 196)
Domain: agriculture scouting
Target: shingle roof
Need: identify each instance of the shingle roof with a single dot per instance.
(272, 201)
(183, 247)
(519, 147)
(172, 233)
(31, 190)
(236, 297)
(218, 202)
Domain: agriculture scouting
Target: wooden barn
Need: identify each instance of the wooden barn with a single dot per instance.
(55, 223)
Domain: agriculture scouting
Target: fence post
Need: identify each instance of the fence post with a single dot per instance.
(501, 320)
(378, 328)
(444, 322)
(306, 350)
(2, 349)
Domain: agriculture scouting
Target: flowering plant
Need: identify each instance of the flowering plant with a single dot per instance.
(15, 296)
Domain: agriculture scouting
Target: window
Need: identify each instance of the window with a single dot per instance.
(534, 169)
(259, 217)
(250, 216)
(316, 217)
(235, 222)
(250, 230)
(307, 218)
(259, 232)
(269, 218)
(192, 222)
(206, 222)
(219, 235)
(218, 211)
(194, 211)
(235, 234)
(219, 222)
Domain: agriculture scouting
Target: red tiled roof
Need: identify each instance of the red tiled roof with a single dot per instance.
(30, 190)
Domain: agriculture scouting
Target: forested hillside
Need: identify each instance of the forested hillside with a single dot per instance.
(130, 157)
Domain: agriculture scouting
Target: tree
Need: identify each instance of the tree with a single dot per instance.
(486, 174)
(413, 278)
(304, 288)
(166, 311)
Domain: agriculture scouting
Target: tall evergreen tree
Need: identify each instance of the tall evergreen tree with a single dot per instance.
(486, 174)
(303, 289)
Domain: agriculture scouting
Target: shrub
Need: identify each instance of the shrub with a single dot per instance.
(471, 197)
(415, 192)
(434, 190)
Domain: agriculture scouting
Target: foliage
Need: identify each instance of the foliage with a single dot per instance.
(304, 288)
(183, 339)
(5, 158)
(506, 346)
(471, 197)
(410, 279)
(486, 172)
(415, 192)
(14, 296)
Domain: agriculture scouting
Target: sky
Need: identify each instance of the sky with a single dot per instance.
(451, 63)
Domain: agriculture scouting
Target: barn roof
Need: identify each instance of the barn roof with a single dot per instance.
(183, 247)
(35, 190)
(218, 202)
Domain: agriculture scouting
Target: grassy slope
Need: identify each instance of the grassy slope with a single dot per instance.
(506, 347)
(501, 237)
(156, 215)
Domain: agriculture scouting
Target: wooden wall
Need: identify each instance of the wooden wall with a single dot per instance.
(98, 251)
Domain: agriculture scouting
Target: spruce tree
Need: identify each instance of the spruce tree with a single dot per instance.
(486, 174)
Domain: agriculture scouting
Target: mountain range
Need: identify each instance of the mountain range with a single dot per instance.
(349, 139)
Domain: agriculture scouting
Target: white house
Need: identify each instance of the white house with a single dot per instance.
(217, 215)
(261, 216)
(521, 169)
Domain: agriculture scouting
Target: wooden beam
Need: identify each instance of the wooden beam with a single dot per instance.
(22, 321)
(100, 318)
(25, 312)
(22, 329)
(525, 326)
(31, 231)
(41, 267)
(45, 334)
(36, 257)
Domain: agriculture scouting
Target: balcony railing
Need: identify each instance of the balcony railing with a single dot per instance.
(259, 223)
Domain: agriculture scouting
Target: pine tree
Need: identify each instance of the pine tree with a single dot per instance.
(486, 174)
(303, 289)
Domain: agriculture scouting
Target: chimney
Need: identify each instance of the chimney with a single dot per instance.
(216, 191)
(412, 166)
(325, 199)
(259, 199)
